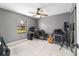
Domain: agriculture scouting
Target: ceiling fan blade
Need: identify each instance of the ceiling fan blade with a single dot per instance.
(41, 11)
(32, 12)
(35, 15)
(44, 14)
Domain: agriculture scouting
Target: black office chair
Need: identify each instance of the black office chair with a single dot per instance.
(30, 33)
(43, 35)
(59, 37)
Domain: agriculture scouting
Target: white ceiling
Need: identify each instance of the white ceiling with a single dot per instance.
(50, 8)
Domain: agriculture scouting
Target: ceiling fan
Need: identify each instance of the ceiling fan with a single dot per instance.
(39, 12)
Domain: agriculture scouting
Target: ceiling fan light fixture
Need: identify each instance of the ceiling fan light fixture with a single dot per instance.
(38, 16)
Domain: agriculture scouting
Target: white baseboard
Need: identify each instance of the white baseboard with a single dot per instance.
(15, 42)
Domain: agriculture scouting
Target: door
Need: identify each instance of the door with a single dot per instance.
(73, 31)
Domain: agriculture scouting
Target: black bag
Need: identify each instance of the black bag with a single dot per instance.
(4, 50)
(1, 49)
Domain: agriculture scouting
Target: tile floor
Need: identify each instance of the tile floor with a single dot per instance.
(77, 51)
(37, 48)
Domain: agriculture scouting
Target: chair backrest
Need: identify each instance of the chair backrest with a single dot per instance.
(32, 29)
(2, 41)
(58, 31)
(58, 39)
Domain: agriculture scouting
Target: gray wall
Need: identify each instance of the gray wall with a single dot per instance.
(8, 24)
(53, 22)
(9, 21)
